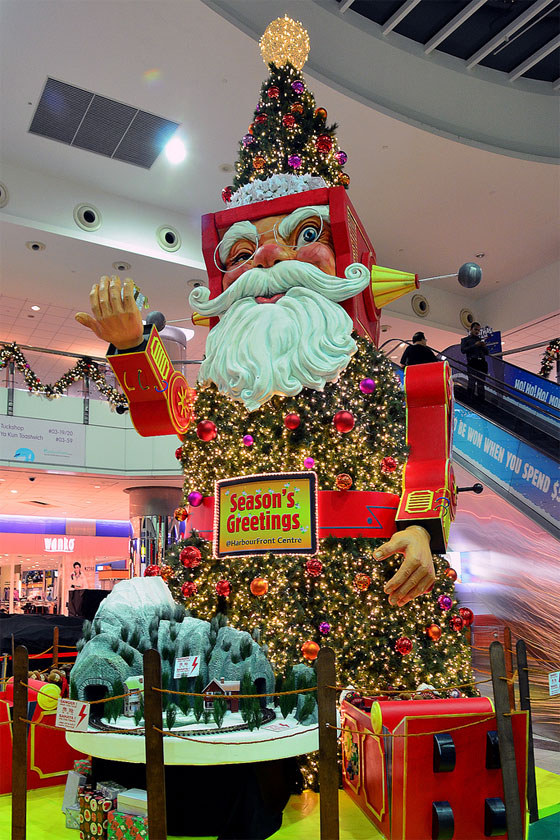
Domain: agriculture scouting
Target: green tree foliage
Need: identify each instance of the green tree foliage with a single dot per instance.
(170, 715)
(219, 709)
(198, 702)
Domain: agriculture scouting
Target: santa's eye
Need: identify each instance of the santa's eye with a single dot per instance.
(240, 257)
(307, 235)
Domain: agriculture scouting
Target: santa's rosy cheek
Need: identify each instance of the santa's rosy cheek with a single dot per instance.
(318, 254)
(231, 276)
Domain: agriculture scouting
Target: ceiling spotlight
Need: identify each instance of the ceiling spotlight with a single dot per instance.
(121, 265)
(13, 491)
(175, 150)
(479, 256)
(35, 308)
(35, 246)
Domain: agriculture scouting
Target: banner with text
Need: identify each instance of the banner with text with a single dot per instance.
(526, 473)
(42, 441)
(258, 514)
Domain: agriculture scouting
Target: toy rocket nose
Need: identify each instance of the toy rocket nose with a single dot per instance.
(270, 253)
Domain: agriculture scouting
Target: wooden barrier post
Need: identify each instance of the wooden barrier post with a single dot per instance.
(19, 744)
(514, 819)
(155, 767)
(508, 650)
(328, 737)
(55, 648)
(525, 704)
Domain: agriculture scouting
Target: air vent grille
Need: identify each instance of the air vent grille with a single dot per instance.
(89, 121)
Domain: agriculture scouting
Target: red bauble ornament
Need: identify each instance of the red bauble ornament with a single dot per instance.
(434, 632)
(273, 92)
(152, 571)
(261, 118)
(389, 465)
(190, 557)
(259, 162)
(297, 108)
(343, 422)
(206, 430)
(321, 114)
(467, 615)
(362, 581)
(323, 143)
(310, 650)
(189, 589)
(292, 421)
(227, 193)
(451, 574)
(456, 623)
(343, 481)
(314, 567)
(180, 514)
(179, 452)
(288, 120)
(223, 587)
(259, 586)
(403, 645)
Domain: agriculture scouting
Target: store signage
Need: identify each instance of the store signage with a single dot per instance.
(40, 441)
(73, 714)
(58, 544)
(554, 683)
(258, 514)
(187, 666)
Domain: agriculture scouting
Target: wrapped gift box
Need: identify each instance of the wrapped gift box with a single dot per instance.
(110, 790)
(127, 826)
(72, 813)
(133, 801)
(429, 767)
(94, 811)
(83, 766)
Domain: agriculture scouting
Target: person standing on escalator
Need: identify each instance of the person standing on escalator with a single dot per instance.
(475, 349)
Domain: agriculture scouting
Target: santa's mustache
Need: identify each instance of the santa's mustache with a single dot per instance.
(282, 277)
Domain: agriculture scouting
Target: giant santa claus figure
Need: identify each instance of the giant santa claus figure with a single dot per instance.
(292, 381)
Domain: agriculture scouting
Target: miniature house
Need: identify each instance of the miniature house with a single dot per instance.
(131, 703)
(228, 688)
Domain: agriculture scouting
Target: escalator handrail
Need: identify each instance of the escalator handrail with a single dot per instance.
(504, 390)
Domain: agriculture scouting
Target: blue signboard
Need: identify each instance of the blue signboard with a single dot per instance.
(534, 389)
(529, 475)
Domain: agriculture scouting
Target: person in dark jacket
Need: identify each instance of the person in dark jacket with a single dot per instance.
(475, 350)
(418, 353)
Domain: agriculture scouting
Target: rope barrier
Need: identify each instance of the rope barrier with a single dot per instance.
(237, 696)
(409, 734)
(404, 691)
(230, 743)
(89, 732)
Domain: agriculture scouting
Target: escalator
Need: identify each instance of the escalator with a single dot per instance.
(509, 441)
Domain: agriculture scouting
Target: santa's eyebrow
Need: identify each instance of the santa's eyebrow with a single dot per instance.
(239, 230)
(287, 226)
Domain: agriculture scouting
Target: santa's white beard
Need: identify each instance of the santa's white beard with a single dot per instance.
(301, 341)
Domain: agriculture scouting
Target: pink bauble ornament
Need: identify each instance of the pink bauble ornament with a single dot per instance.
(189, 589)
(324, 628)
(206, 430)
(190, 557)
(223, 587)
(248, 440)
(367, 386)
(343, 422)
(444, 602)
(309, 463)
(195, 498)
(403, 645)
(298, 86)
(294, 161)
(341, 157)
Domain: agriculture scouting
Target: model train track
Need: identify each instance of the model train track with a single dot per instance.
(100, 726)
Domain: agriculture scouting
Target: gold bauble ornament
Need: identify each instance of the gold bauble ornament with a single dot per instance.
(285, 41)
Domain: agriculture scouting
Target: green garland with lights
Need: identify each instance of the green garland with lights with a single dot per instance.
(550, 355)
(85, 368)
(364, 628)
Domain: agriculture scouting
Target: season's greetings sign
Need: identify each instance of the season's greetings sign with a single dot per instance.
(257, 514)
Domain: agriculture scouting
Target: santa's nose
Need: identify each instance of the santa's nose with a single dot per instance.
(270, 253)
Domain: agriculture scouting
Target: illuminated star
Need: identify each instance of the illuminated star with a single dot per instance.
(183, 401)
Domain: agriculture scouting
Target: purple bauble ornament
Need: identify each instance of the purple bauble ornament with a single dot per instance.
(309, 463)
(341, 157)
(247, 139)
(367, 386)
(324, 628)
(444, 602)
(248, 440)
(195, 498)
(294, 161)
(298, 86)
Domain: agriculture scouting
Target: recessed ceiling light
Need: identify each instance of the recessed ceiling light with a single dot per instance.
(175, 150)
(13, 491)
(36, 308)
(225, 167)
(35, 246)
(121, 265)
(479, 256)
(96, 486)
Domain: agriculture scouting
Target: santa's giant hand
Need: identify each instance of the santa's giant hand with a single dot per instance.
(416, 574)
(116, 317)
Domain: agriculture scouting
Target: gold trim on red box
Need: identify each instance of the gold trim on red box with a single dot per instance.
(345, 721)
(32, 765)
(370, 806)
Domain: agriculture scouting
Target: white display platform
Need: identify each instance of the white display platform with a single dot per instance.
(264, 744)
